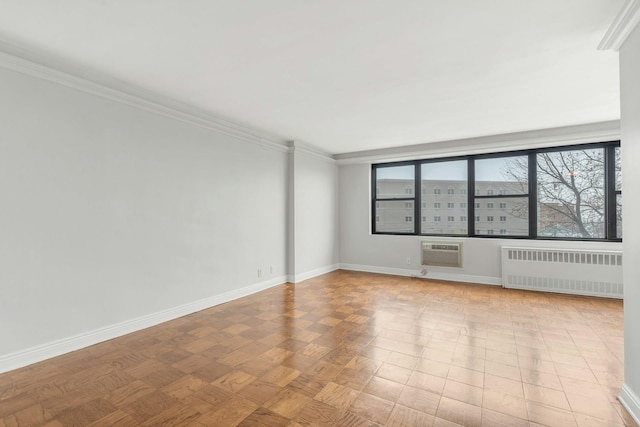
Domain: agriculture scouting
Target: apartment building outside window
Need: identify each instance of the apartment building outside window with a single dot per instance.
(569, 192)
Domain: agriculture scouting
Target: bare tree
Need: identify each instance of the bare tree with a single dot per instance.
(571, 199)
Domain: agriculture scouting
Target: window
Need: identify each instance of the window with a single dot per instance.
(393, 188)
(572, 192)
(510, 173)
(618, 191)
(449, 175)
(489, 231)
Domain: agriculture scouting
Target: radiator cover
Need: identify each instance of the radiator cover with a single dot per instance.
(572, 271)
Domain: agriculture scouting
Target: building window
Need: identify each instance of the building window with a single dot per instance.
(424, 218)
(436, 219)
(489, 231)
(447, 175)
(450, 218)
(577, 193)
(510, 174)
(393, 188)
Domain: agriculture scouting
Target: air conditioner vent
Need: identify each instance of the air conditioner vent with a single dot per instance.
(441, 254)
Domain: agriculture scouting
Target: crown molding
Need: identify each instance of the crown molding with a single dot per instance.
(554, 137)
(45, 67)
(625, 22)
(305, 148)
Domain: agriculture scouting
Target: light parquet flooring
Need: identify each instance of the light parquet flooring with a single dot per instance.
(345, 349)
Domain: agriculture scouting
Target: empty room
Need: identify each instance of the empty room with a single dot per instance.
(309, 213)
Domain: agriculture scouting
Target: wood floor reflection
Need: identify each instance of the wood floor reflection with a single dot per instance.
(345, 349)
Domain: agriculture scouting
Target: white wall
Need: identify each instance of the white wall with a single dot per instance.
(361, 250)
(111, 213)
(630, 145)
(315, 181)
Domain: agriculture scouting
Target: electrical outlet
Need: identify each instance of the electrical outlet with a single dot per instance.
(259, 273)
(271, 269)
(408, 260)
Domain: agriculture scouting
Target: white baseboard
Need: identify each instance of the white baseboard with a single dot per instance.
(631, 402)
(455, 277)
(42, 352)
(297, 278)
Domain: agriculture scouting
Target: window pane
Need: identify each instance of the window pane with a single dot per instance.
(503, 175)
(394, 217)
(511, 215)
(394, 182)
(619, 216)
(571, 194)
(618, 170)
(443, 184)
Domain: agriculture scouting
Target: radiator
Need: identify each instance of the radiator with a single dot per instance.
(571, 271)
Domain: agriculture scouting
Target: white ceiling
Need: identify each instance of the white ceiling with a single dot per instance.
(344, 75)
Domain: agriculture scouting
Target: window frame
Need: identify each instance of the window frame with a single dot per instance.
(610, 192)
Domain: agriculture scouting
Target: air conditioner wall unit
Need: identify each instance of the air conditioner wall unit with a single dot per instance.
(441, 254)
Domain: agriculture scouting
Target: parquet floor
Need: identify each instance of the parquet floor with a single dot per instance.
(345, 349)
